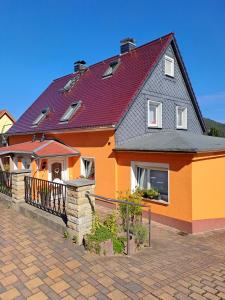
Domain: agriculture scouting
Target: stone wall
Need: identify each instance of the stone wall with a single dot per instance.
(80, 207)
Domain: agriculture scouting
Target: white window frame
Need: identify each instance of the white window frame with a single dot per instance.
(40, 117)
(82, 165)
(158, 114)
(72, 109)
(184, 117)
(151, 166)
(170, 60)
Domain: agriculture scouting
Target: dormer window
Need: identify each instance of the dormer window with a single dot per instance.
(111, 69)
(41, 117)
(169, 66)
(70, 111)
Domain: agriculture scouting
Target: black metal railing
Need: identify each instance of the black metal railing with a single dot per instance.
(6, 183)
(47, 195)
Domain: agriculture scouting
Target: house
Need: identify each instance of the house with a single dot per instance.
(6, 121)
(129, 121)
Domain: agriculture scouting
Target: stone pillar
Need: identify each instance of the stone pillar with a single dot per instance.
(80, 207)
(18, 185)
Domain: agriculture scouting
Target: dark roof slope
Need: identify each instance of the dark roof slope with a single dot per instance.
(104, 101)
(174, 141)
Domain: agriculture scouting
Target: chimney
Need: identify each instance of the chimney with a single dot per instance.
(80, 66)
(127, 45)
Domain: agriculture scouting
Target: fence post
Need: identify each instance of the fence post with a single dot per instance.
(80, 207)
(18, 185)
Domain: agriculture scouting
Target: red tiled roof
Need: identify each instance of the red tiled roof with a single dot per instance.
(104, 101)
(40, 149)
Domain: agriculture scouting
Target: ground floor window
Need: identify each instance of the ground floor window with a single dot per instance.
(151, 176)
(88, 168)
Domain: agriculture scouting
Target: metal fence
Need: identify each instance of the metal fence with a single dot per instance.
(6, 183)
(127, 223)
(47, 195)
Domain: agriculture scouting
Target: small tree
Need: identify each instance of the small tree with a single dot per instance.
(213, 131)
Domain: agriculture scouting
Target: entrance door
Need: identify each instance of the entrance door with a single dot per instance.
(56, 170)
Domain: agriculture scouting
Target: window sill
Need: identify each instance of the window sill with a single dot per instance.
(181, 128)
(161, 202)
(154, 127)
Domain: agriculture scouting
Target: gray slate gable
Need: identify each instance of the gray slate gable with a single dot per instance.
(170, 92)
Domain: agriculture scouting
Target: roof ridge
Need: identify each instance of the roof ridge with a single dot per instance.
(43, 146)
(119, 55)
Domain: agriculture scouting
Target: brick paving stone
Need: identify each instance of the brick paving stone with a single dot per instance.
(117, 295)
(37, 262)
(10, 294)
(38, 296)
(88, 290)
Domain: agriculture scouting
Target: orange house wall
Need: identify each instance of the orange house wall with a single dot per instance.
(180, 181)
(208, 186)
(96, 144)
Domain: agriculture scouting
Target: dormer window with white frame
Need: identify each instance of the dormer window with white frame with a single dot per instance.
(70, 111)
(41, 117)
(154, 114)
(169, 66)
(181, 117)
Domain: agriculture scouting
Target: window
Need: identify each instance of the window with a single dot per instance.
(169, 66)
(181, 117)
(70, 111)
(88, 168)
(154, 114)
(26, 163)
(69, 84)
(151, 175)
(111, 69)
(41, 117)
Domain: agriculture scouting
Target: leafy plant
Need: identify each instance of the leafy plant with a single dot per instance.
(134, 211)
(110, 224)
(118, 245)
(75, 239)
(150, 193)
(66, 234)
(141, 233)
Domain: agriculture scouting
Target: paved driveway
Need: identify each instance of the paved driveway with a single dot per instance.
(37, 263)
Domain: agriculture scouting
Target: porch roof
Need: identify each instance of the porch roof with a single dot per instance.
(46, 148)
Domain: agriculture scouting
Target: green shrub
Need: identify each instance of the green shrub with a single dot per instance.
(134, 211)
(150, 193)
(110, 224)
(141, 233)
(118, 245)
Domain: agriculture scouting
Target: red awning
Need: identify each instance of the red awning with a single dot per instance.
(47, 148)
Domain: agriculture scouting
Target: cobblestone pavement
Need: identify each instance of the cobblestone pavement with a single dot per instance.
(37, 263)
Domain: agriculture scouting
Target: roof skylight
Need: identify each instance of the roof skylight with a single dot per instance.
(111, 69)
(70, 111)
(41, 116)
(69, 84)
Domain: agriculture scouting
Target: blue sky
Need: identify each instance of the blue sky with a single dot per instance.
(40, 40)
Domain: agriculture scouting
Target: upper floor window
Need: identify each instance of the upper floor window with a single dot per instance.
(169, 66)
(111, 68)
(41, 117)
(154, 114)
(181, 117)
(70, 111)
